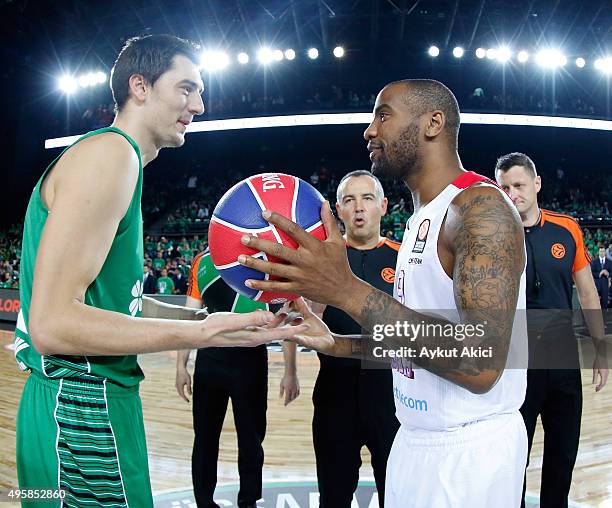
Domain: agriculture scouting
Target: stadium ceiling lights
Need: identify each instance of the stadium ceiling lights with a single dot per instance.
(277, 55)
(313, 53)
(264, 55)
(551, 58)
(243, 58)
(433, 51)
(290, 54)
(604, 65)
(503, 54)
(522, 56)
(338, 51)
(458, 52)
(69, 84)
(481, 53)
(491, 54)
(212, 61)
(580, 62)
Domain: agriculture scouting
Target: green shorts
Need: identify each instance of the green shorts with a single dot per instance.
(76, 435)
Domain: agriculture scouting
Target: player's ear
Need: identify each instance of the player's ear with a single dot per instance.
(538, 183)
(383, 206)
(435, 124)
(138, 87)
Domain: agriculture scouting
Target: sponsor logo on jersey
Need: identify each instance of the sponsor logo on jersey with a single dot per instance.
(136, 303)
(419, 244)
(388, 275)
(558, 250)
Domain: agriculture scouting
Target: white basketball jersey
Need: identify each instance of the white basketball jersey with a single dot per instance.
(422, 399)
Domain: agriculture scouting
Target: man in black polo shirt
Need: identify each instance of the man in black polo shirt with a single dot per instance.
(354, 407)
(556, 259)
(221, 374)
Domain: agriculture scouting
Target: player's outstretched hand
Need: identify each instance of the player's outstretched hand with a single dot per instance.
(318, 336)
(318, 270)
(223, 329)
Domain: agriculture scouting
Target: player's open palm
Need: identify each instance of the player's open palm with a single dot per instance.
(318, 336)
(250, 329)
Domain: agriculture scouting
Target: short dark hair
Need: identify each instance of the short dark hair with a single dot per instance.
(426, 95)
(150, 56)
(505, 162)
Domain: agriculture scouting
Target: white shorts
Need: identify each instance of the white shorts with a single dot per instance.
(481, 465)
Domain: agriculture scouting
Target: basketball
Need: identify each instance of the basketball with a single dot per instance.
(239, 212)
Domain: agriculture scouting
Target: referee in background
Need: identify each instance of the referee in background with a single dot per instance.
(556, 259)
(237, 373)
(354, 407)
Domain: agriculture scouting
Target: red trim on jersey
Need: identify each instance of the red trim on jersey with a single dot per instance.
(469, 178)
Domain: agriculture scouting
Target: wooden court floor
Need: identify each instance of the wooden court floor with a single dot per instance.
(288, 444)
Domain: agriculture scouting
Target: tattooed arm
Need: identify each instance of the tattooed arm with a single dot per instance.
(483, 243)
(484, 237)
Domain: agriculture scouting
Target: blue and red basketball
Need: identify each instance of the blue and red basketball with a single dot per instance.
(239, 212)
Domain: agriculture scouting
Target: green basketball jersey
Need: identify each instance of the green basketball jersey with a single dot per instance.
(118, 287)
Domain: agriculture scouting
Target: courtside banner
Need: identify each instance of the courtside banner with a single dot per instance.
(9, 304)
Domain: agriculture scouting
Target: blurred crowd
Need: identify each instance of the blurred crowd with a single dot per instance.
(336, 98)
(177, 215)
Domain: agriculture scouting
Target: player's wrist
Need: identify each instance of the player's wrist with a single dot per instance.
(351, 295)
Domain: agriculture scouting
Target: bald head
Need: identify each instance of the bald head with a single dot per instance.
(425, 95)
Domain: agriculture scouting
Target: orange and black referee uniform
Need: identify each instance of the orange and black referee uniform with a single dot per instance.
(354, 407)
(555, 251)
(236, 373)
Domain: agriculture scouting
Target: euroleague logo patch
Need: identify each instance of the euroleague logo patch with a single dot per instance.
(419, 244)
(558, 250)
(388, 275)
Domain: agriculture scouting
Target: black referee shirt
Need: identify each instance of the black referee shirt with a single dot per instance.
(375, 266)
(555, 251)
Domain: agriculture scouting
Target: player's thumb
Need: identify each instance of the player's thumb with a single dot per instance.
(250, 319)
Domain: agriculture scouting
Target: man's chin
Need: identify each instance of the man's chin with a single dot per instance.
(175, 142)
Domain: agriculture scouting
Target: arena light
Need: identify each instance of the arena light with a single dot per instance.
(243, 58)
(580, 62)
(551, 58)
(503, 54)
(264, 55)
(100, 77)
(338, 51)
(481, 53)
(604, 65)
(67, 84)
(433, 51)
(522, 56)
(313, 53)
(86, 80)
(277, 55)
(366, 118)
(491, 54)
(458, 51)
(290, 54)
(213, 61)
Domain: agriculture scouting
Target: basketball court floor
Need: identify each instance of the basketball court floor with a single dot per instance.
(289, 471)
